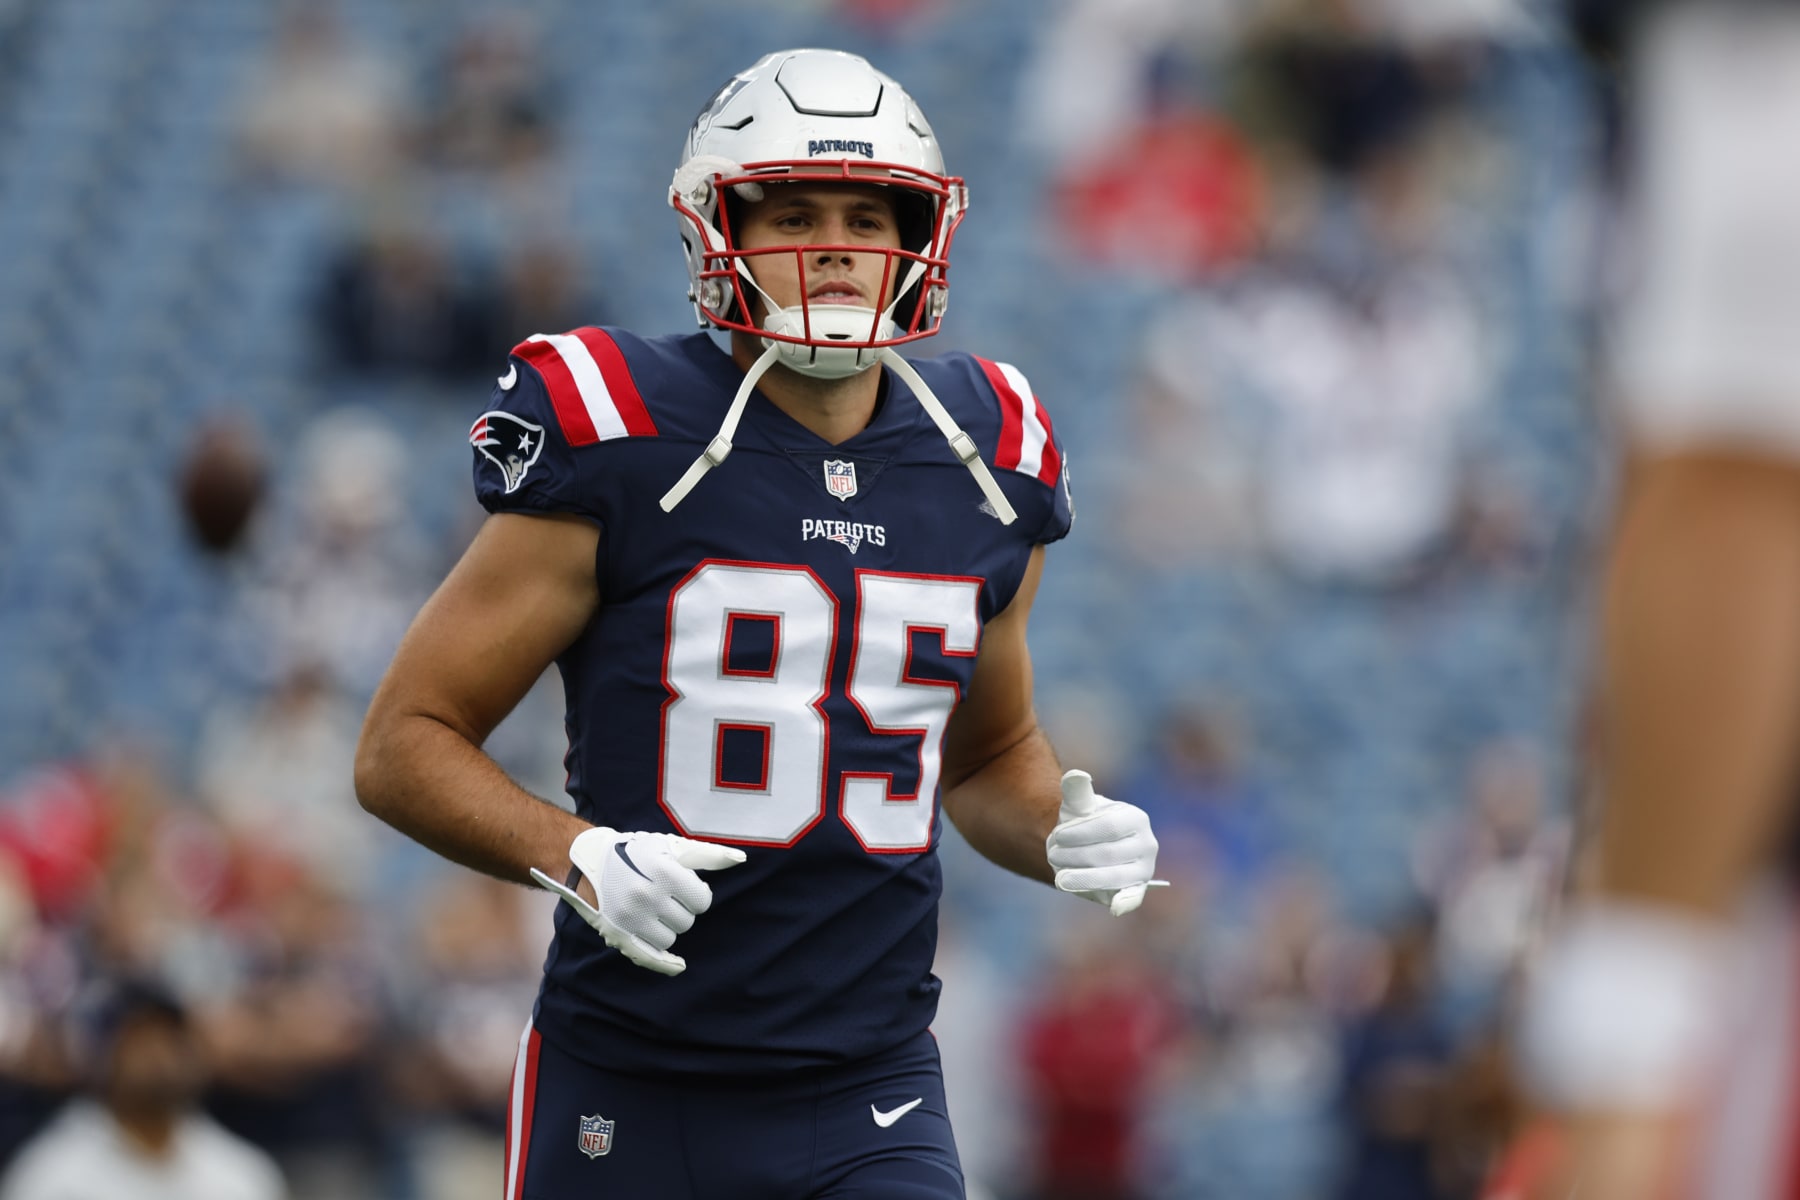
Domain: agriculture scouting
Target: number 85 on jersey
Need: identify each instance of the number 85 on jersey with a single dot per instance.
(783, 704)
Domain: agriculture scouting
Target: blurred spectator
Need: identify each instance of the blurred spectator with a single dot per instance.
(1333, 89)
(889, 18)
(1363, 466)
(479, 943)
(141, 1137)
(1210, 821)
(1395, 1082)
(277, 772)
(1440, 22)
(1358, 59)
(55, 826)
(1192, 490)
(1146, 178)
(1092, 1042)
(297, 1043)
(1118, 51)
(981, 1076)
(38, 979)
(1249, 1117)
(122, 876)
(271, 964)
(1487, 1133)
(323, 110)
(335, 584)
(491, 113)
(394, 302)
(541, 288)
(1494, 869)
(1418, 23)
(1348, 370)
(1200, 209)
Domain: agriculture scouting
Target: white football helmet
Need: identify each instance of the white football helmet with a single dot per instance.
(820, 115)
(816, 113)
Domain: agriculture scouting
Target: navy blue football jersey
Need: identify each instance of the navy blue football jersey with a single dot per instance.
(772, 666)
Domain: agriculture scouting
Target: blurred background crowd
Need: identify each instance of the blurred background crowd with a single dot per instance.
(1306, 286)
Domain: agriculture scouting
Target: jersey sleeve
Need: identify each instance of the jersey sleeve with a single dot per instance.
(523, 462)
(561, 394)
(1028, 445)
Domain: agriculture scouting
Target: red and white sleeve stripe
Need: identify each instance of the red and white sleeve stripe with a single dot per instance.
(590, 386)
(1027, 441)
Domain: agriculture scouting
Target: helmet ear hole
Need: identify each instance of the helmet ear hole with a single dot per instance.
(916, 217)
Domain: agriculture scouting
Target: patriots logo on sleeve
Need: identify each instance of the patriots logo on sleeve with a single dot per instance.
(509, 443)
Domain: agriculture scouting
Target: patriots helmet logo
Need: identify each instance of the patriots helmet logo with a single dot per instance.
(509, 443)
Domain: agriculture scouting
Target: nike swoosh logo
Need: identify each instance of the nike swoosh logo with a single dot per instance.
(511, 377)
(884, 1119)
(620, 848)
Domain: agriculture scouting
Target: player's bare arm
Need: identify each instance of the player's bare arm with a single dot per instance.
(1000, 773)
(1651, 1014)
(1703, 669)
(522, 592)
(1005, 792)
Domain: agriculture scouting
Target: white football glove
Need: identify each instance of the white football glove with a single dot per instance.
(1102, 850)
(647, 888)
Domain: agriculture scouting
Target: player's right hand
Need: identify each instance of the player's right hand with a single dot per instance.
(647, 887)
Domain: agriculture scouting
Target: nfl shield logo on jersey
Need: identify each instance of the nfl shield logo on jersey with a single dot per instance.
(596, 1136)
(840, 478)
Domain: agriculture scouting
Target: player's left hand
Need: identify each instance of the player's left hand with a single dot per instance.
(1101, 849)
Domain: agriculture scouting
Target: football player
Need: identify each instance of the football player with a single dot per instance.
(787, 587)
(1663, 1020)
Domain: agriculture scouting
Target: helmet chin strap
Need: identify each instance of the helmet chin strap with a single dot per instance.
(719, 449)
(961, 444)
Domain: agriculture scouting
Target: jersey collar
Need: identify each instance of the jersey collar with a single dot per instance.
(897, 418)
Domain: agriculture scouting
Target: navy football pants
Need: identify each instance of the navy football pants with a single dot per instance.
(831, 1134)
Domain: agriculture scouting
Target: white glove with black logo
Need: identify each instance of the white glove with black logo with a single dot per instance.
(647, 887)
(1102, 850)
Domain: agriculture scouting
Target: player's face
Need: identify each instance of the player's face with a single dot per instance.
(818, 215)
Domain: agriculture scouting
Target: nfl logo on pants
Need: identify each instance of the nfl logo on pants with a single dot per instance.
(596, 1136)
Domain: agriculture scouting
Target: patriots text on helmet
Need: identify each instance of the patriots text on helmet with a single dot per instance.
(818, 146)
